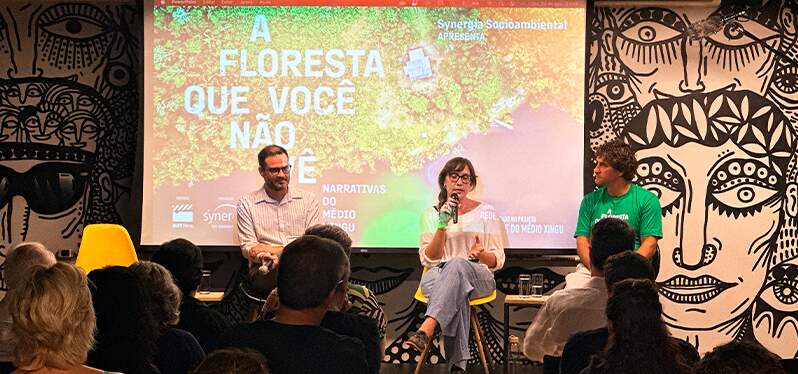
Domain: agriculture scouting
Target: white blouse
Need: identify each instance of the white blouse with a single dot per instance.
(482, 222)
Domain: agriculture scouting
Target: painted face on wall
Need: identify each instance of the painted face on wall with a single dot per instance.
(715, 134)
(669, 53)
(719, 164)
(68, 118)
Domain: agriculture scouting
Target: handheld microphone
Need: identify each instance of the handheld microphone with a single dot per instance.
(456, 199)
(265, 263)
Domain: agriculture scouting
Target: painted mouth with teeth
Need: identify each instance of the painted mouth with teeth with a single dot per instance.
(686, 290)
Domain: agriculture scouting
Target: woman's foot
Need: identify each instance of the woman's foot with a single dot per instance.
(418, 341)
(457, 370)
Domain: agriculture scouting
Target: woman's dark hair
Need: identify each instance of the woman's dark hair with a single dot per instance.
(233, 361)
(126, 332)
(454, 165)
(184, 260)
(639, 341)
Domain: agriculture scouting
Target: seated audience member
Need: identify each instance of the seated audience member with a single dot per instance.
(184, 260)
(582, 345)
(178, 350)
(343, 317)
(638, 340)
(233, 361)
(569, 311)
(19, 261)
(126, 333)
(53, 320)
(312, 278)
(739, 358)
(362, 301)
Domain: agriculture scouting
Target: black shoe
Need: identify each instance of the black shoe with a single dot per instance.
(456, 370)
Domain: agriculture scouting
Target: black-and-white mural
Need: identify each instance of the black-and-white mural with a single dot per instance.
(69, 113)
(708, 97)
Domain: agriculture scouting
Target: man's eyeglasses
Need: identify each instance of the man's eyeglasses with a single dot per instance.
(48, 188)
(285, 169)
(466, 178)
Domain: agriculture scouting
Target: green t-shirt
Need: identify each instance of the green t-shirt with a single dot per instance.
(638, 207)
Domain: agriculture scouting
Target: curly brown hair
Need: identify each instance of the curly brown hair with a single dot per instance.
(620, 156)
(163, 295)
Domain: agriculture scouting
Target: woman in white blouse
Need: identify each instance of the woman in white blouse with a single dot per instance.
(460, 258)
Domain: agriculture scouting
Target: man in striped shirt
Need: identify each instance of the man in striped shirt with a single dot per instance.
(275, 214)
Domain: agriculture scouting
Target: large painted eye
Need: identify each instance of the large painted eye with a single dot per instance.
(781, 291)
(742, 186)
(73, 27)
(735, 33)
(650, 32)
(744, 195)
(73, 36)
(785, 80)
(657, 176)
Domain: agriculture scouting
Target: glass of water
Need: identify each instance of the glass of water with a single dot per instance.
(205, 282)
(524, 285)
(537, 284)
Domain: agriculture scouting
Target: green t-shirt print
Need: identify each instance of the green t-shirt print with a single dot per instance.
(638, 207)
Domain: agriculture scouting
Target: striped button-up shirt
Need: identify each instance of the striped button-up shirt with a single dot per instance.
(262, 219)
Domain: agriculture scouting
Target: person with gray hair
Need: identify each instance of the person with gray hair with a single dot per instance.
(53, 320)
(178, 350)
(19, 261)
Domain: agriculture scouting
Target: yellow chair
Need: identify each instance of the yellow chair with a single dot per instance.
(476, 329)
(105, 244)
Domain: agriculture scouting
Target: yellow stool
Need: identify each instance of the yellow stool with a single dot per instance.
(476, 329)
(105, 244)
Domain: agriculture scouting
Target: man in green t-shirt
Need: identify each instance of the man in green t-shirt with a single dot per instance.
(617, 197)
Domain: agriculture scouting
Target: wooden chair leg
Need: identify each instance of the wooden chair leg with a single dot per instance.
(478, 338)
(423, 358)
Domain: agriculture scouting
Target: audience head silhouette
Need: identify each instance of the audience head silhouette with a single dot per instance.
(609, 236)
(311, 269)
(163, 296)
(739, 358)
(53, 318)
(639, 341)
(233, 361)
(627, 265)
(333, 233)
(21, 258)
(126, 331)
(184, 260)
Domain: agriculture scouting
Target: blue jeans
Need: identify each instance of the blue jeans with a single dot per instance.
(448, 288)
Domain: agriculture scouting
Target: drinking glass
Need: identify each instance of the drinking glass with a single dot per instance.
(537, 284)
(205, 282)
(524, 285)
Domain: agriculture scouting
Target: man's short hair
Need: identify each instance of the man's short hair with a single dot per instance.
(268, 151)
(609, 236)
(739, 358)
(310, 268)
(334, 233)
(184, 260)
(627, 265)
(620, 156)
(53, 318)
(21, 258)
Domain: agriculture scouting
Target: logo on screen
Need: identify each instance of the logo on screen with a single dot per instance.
(182, 215)
(220, 217)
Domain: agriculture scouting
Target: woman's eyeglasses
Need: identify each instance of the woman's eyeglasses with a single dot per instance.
(466, 178)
